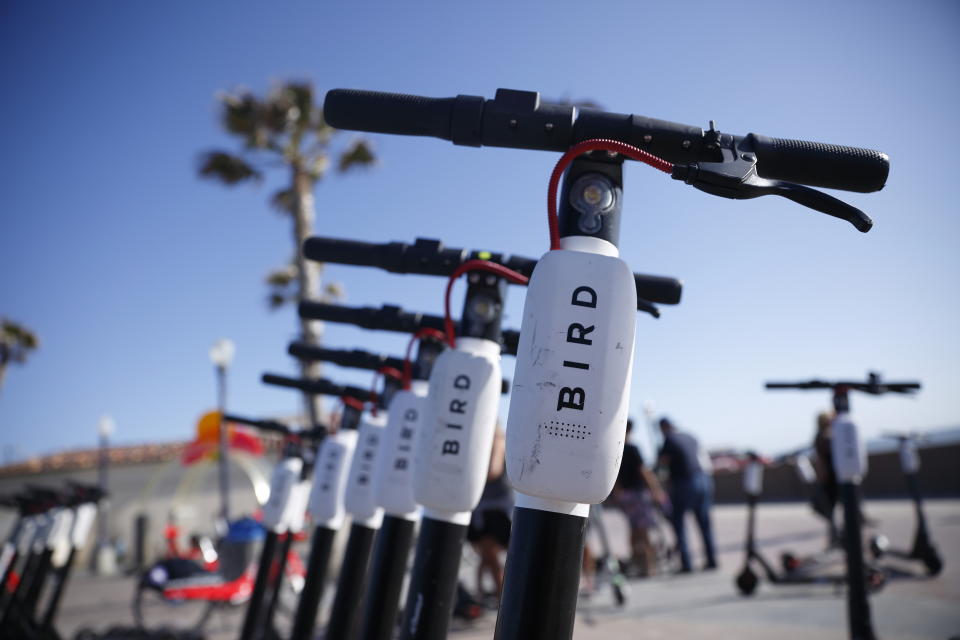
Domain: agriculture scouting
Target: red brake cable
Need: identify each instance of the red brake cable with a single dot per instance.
(419, 334)
(474, 265)
(597, 144)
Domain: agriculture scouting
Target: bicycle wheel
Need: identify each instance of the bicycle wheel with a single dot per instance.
(152, 611)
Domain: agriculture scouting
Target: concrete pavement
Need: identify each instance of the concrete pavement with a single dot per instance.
(701, 605)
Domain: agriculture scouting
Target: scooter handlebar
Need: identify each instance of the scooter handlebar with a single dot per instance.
(871, 387)
(521, 120)
(354, 358)
(429, 257)
(319, 386)
(390, 318)
(261, 425)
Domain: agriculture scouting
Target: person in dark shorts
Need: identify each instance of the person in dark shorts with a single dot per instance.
(691, 489)
(636, 492)
(489, 529)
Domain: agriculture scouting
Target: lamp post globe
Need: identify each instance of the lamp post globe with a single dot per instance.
(221, 353)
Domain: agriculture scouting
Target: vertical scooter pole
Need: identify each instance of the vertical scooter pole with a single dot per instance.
(293, 518)
(568, 413)
(318, 386)
(910, 463)
(923, 548)
(747, 579)
(850, 463)
(367, 516)
(452, 454)
(327, 512)
(285, 477)
(393, 488)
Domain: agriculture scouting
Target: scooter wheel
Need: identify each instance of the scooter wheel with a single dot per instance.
(747, 581)
(931, 558)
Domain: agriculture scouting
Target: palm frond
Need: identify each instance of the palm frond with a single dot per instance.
(282, 277)
(358, 153)
(241, 112)
(16, 341)
(226, 167)
(284, 201)
(276, 300)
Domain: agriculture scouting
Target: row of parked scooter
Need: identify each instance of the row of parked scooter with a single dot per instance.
(51, 527)
(412, 463)
(821, 567)
(425, 460)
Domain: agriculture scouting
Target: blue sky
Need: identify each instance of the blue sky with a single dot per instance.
(129, 267)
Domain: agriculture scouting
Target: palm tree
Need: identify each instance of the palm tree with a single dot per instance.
(286, 130)
(16, 343)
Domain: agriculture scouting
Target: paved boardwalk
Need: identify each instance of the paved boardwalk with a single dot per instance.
(702, 605)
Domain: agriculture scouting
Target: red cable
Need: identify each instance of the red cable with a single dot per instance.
(419, 334)
(597, 144)
(474, 265)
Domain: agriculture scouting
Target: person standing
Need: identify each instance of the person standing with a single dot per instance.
(827, 491)
(635, 492)
(691, 489)
(489, 529)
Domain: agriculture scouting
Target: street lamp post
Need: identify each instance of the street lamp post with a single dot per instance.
(221, 354)
(105, 559)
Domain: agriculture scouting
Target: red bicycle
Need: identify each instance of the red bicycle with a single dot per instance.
(185, 589)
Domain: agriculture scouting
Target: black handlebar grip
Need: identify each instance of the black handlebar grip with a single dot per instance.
(319, 386)
(457, 119)
(659, 289)
(817, 164)
(356, 358)
(351, 252)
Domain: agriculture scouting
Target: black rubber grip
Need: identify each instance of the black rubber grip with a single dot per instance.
(337, 251)
(659, 289)
(319, 386)
(354, 358)
(388, 113)
(817, 164)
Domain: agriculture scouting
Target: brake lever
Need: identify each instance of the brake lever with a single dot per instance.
(736, 178)
(648, 307)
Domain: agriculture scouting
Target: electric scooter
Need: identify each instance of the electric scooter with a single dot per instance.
(850, 464)
(179, 592)
(923, 549)
(360, 504)
(582, 283)
(431, 257)
(17, 545)
(50, 556)
(392, 484)
(794, 571)
(366, 517)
